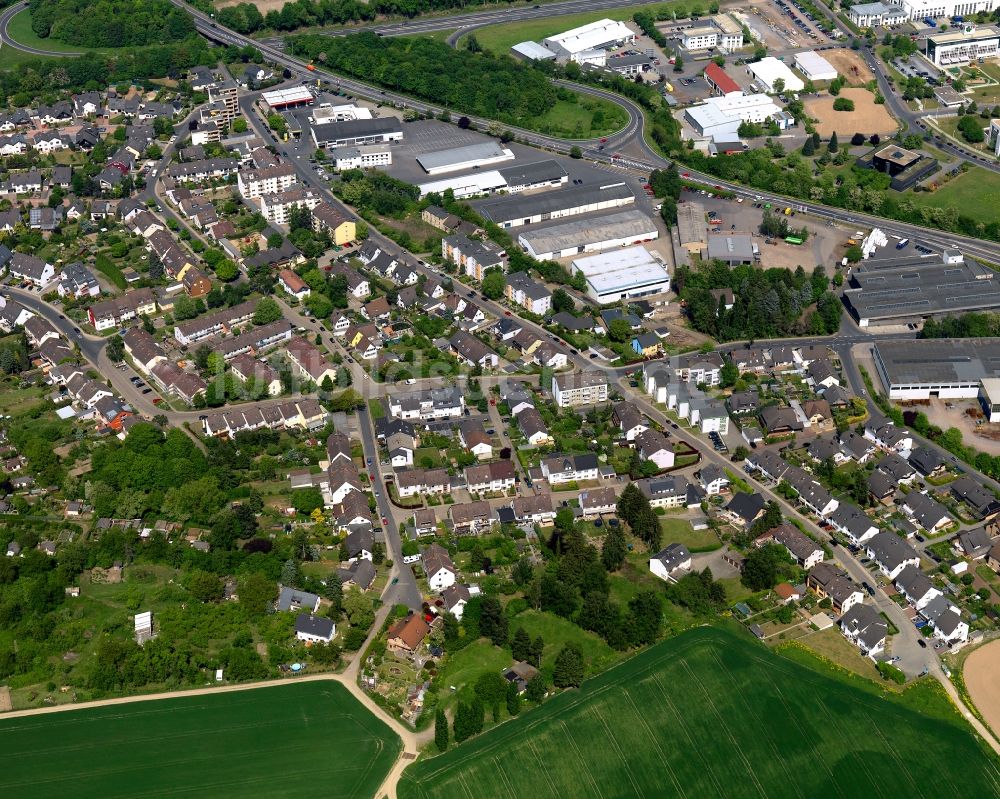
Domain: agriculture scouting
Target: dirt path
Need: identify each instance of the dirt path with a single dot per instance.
(982, 680)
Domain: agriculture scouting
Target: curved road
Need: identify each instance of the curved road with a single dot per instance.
(7, 41)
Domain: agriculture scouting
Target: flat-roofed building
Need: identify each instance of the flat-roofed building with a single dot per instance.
(989, 398)
(691, 228)
(721, 117)
(963, 44)
(579, 44)
(355, 132)
(733, 250)
(945, 368)
(283, 99)
(814, 66)
(533, 51)
(471, 156)
(876, 15)
(901, 290)
(588, 235)
(768, 71)
(579, 388)
(623, 274)
(509, 212)
(535, 175)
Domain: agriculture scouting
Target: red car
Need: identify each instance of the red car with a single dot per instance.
(685, 174)
(604, 139)
(507, 313)
(385, 521)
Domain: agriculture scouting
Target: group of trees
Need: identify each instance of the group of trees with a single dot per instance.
(634, 509)
(969, 325)
(111, 23)
(769, 303)
(495, 87)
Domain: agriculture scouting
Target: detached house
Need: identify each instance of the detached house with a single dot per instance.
(570, 468)
(864, 626)
(438, 566)
(892, 554)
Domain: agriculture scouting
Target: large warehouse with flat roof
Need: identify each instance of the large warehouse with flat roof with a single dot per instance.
(511, 212)
(938, 367)
(470, 156)
(901, 290)
(355, 132)
(588, 235)
(623, 274)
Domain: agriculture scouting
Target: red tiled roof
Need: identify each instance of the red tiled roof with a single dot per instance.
(718, 76)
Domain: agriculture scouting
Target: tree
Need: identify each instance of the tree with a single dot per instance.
(858, 138)
(239, 125)
(257, 592)
(203, 585)
(619, 330)
(492, 621)
(440, 730)
(514, 697)
(760, 569)
(779, 85)
(520, 645)
(115, 349)
(678, 63)
(568, 669)
(562, 301)
(843, 104)
(808, 148)
(614, 549)
(833, 146)
(267, 311)
(575, 152)
(493, 284)
(536, 689)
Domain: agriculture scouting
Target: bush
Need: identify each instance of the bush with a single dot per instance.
(843, 104)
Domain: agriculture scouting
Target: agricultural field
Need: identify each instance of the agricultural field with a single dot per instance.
(975, 194)
(264, 742)
(711, 714)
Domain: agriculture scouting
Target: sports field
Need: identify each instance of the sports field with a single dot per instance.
(712, 714)
(301, 740)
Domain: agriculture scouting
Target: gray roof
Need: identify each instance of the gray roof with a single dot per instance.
(355, 129)
(455, 157)
(913, 583)
(290, 598)
(926, 459)
(518, 206)
(530, 174)
(585, 231)
(730, 248)
(672, 556)
(746, 506)
(890, 550)
(939, 360)
(975, 542)
(926, 511)
(866, 623)
(314, 625)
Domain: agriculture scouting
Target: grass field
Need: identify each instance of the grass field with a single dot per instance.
(500, 38)
(285, 741)
(712, 714)
(975, 194)
(680, 531)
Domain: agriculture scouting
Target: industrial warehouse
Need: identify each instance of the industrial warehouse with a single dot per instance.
(622, 275)
(471, 156)
(944, 367)
(511, 179)
(511, 212)
(902, 290)
(355, 132)
(589, 235)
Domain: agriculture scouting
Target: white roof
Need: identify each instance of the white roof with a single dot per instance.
(814, 65)
(337, 112)
(466, 185)
(489, 152)
(296, 94)
(534, 51)
(143, 620)
(621, 269)
(66, 412)
(590, 37)
(770, 69)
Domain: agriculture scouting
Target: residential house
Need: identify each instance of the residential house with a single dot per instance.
(982, 502)
(928, 461)
(595, 502)
(570, 468)
(314, 629)
(744, 509)
(864, 626)
(975, 543)
(524, 291)
(406, 635)
(290, 598)
(293, 285)
(671, 562)
(652, 445)
(471, 518)
(892, 554)
(455, 598)
(579, 388)
(630, 420)
(77, 281)
(671, 491)
(916, 587)
(535, 509)
(826, 580)
(806, 552)
(496, 477)
(438, 567)
(30, 269)
(852, 522)
(926, 512)
(712, 479)
(470, 350)
(533, 427)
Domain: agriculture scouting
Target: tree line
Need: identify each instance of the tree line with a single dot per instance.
(110, 23)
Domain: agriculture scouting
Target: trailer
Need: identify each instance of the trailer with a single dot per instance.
(793, 240)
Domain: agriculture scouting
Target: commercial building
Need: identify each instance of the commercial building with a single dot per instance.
(876, 15)
(512, 179)
(624, 274)
(935, 9)
(475, 184)
(733, 250)
(533, 51)
(471, 156)
(588, 235)
(585, 44)
(535, 175)
(964, 44)
(904, 289)
(691, 227)
(768, 71)
(905, 167)
(368, 156)
(720, 117)
(721, 31)
(355, 132)
(814, 66)
(579, 388)
(283, 99)
(510, 212)
(720, 82)
(945, 368)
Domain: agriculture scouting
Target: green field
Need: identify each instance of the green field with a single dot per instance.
(712, 714)
(500, 38)
(680, 531)
(976, 194)
(306, 739)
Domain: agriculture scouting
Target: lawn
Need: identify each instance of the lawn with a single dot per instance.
(585, 119)
(20, 31)
(463, 667)
(975, 194)
(274, 742)
(680, 531)
(832, 645)
(500, 38)
(712, 714)
(556, 632)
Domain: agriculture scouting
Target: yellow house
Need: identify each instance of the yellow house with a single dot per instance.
(342, 230)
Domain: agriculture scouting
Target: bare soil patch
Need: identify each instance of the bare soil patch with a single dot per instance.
(850, 65)
(866, 118)
(981, 681)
